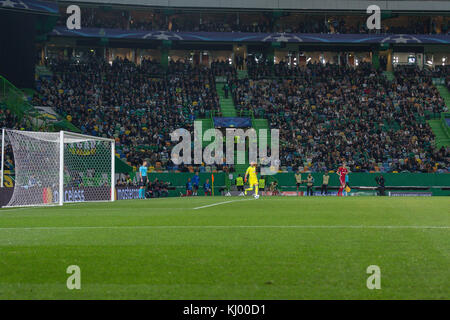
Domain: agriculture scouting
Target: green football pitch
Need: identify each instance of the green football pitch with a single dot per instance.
(229, 248)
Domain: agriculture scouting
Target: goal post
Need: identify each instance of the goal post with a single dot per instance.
(3, 158)
(61, 168)
(53, 168)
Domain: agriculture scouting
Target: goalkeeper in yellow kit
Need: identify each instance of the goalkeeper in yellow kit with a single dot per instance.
(253, 179)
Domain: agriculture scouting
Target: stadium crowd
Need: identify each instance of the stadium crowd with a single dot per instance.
(137, 105)
(325, 113)
(444, 73)
(223, 69)
(328, 113)
(10, 120)
(228, 22)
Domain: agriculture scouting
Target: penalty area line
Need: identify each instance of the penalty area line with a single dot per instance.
(220, 203)
(225, 227)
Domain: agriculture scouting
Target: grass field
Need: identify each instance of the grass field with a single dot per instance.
(271, 248)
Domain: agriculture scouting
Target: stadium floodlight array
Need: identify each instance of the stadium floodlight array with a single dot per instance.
(53, 168)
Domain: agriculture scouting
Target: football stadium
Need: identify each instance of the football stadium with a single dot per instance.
(211, 150)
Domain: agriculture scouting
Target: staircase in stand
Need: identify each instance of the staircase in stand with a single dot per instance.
(226, 104)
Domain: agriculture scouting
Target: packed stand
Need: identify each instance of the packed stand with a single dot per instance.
(155, 20)
(125, 101)
(327, 114)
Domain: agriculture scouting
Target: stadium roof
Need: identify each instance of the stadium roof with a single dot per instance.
(30, 5)
(328, 5)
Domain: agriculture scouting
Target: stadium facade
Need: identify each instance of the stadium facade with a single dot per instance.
(289, 5)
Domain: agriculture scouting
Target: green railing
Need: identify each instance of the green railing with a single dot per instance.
(15, 100)
(438, 81)
(247, 113)
(444, 124)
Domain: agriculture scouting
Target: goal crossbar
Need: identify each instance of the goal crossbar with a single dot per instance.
(53, 168)
(83, 136)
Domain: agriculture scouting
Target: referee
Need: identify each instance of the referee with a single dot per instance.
(325, 180)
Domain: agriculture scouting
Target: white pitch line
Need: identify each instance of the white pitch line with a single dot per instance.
(219, 203)
(225, 227)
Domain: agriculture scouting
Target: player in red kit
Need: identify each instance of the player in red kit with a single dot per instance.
(342, 172)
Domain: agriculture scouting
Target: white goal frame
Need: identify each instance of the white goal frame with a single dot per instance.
(61, 142)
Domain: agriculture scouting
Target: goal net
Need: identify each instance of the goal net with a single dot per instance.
(56, 168)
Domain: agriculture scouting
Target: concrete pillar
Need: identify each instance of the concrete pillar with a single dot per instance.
(165, 57)
(42, 56)
(239, 51)
(389, 66)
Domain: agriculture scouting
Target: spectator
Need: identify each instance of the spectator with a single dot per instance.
(325, 181)
(309, 185)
